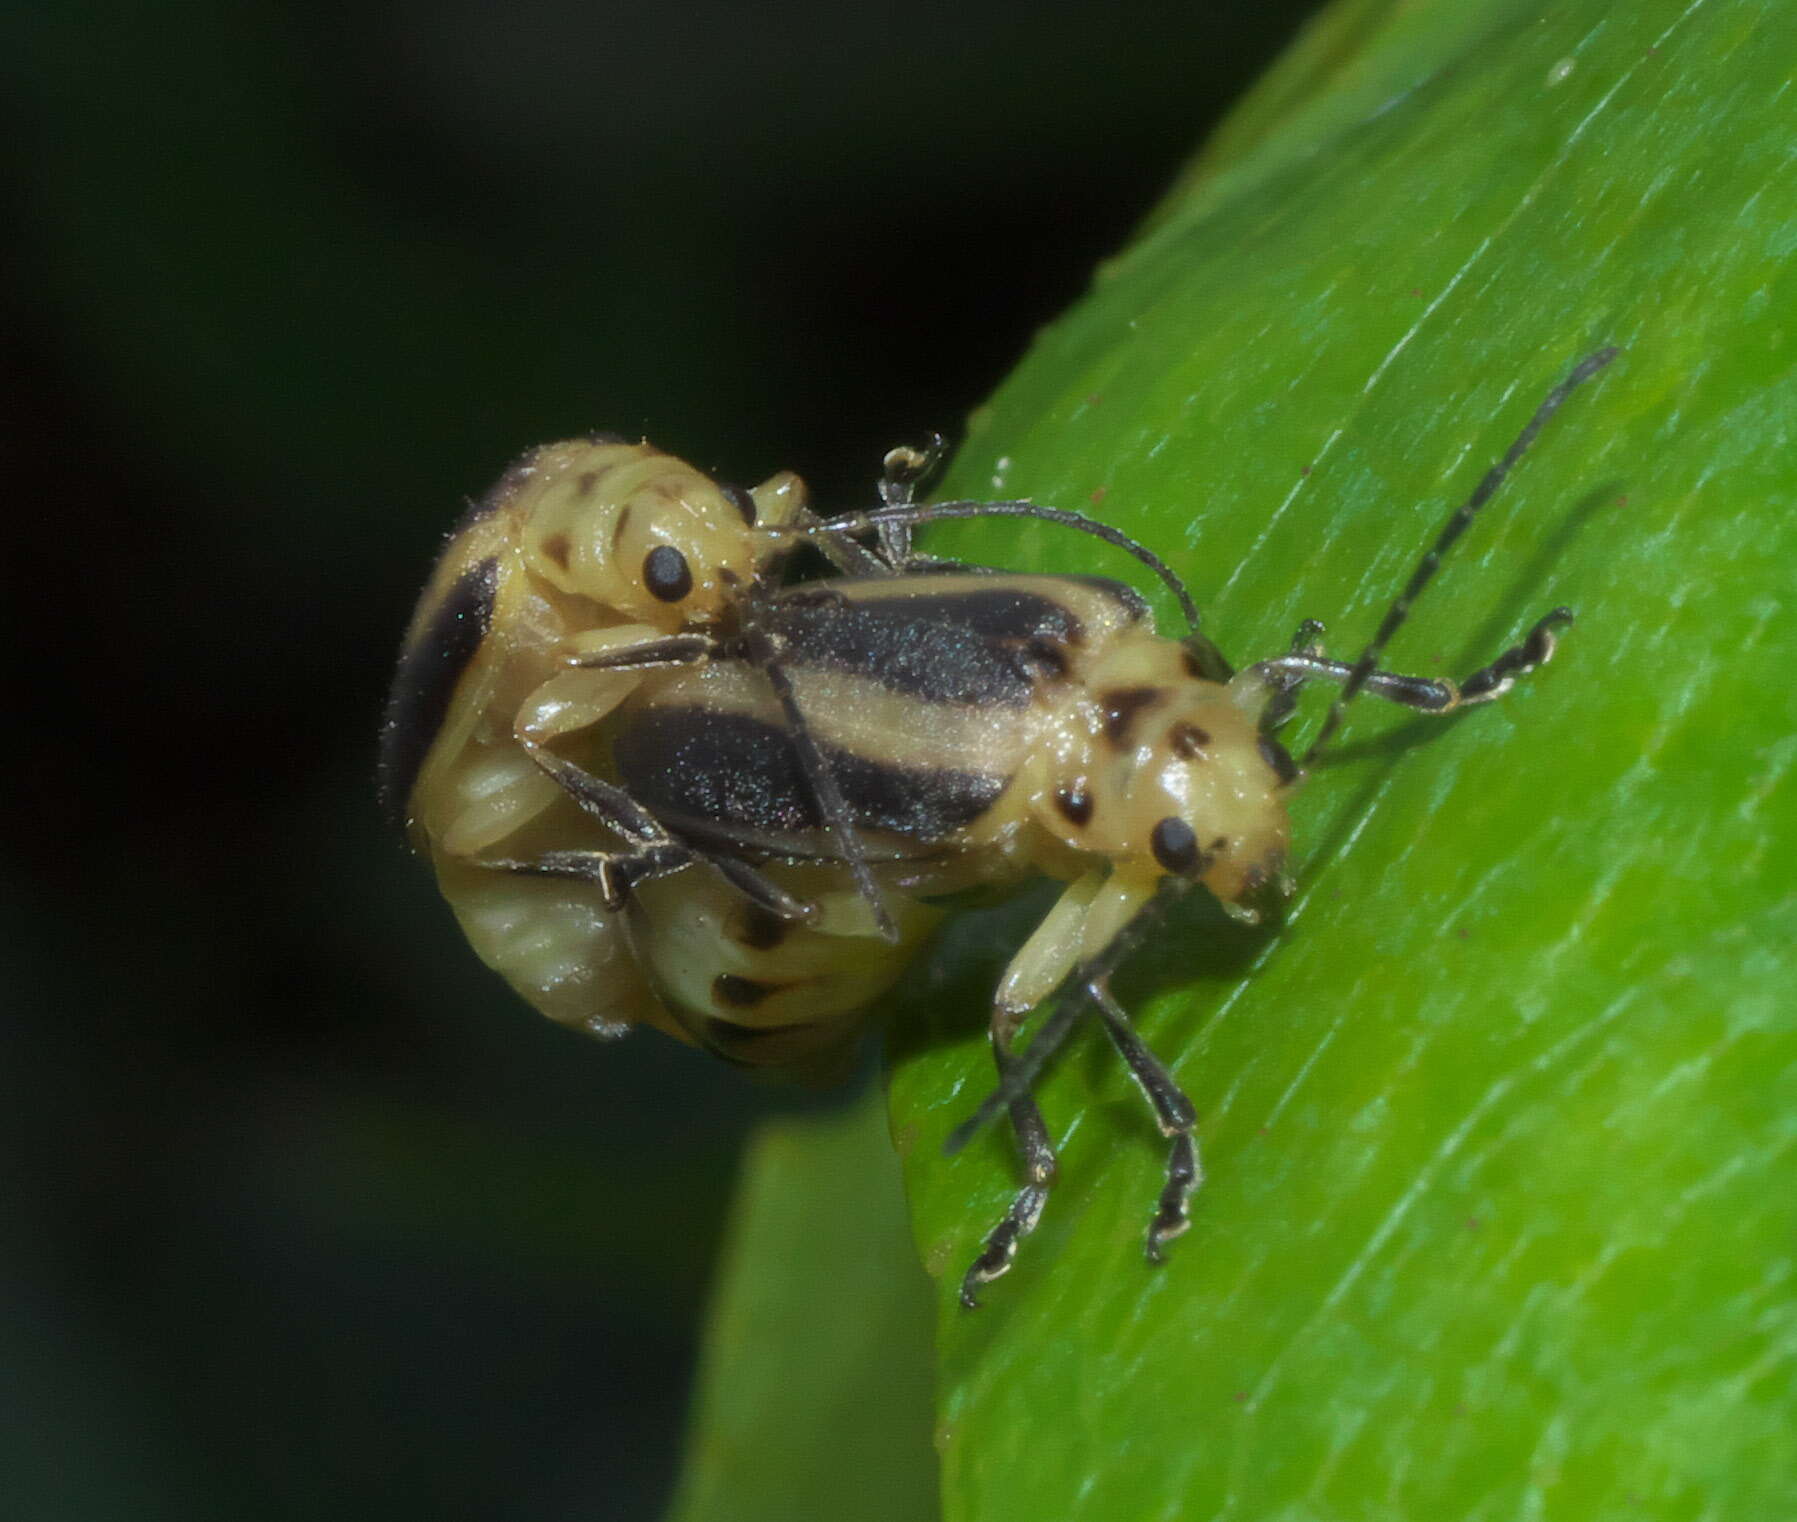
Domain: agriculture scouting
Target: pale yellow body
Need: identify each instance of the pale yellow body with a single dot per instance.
(560, 531)
(1182, 746)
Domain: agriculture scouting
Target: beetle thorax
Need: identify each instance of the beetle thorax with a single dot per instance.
(1161, 771)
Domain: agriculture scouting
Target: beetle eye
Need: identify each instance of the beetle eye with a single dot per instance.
(1174, 845)
(666, 574)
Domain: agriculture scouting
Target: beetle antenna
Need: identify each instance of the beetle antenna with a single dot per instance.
(935, 512)
(1451, 531)
(1070, 1003)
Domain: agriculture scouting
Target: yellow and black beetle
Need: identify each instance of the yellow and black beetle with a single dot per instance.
(845, 753)
(594, 567)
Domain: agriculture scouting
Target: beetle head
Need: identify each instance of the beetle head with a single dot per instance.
(642, 534)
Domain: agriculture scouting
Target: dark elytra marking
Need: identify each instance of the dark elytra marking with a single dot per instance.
(1279, 759)
(1126, 597)
(726, 776)
(740, 993)
(900, 643)
(425, 683)
(557, 548)
(585, 482)
(759, 928)
(1000, 613)
(1074, 802)
(1121, 708)
(1188, 741)
(1174, 845)
(621, 523)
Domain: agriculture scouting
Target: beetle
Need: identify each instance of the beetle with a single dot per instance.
(954, 731)
(592, 567)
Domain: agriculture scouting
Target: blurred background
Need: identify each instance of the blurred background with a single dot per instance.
(304, 1215)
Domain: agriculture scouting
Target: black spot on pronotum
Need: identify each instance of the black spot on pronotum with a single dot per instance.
(1121, 709)
(760, 929)
(425, 683)
(585, 482)
(1279, 759)
(740, 993)
(1174, 845)
(1189, 741)
(666, 574)
(557, 548)
(1074, 802)
(740, 500)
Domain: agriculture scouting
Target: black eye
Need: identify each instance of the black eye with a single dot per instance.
(740, 500)
(666, 574)
(1174, 845)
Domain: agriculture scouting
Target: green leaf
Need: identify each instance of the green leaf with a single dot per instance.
(814, 1393)
(1498, 1119)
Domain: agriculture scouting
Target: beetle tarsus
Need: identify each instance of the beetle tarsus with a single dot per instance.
(1183, 1176)
(1026, 1209)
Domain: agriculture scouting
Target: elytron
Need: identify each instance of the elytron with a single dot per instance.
(660, 787)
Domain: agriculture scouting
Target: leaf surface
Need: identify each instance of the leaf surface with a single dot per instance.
(1498, 1118)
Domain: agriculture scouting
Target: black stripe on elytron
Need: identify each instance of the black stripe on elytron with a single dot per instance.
(425, 683)
(706, 772)
(978, 647)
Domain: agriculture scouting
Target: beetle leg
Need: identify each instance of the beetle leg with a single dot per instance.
(1285, 674)
(1286, 687)
(1172, 1110)
(501, 794)
(1083, 921)
(765, 652)
(1043, 962)
(847, 555)
(1026, 1209)
(642, 655)
(1088, 918)
(902, 473)
(580, 697)
(617, 873)
(761, 889)
(614, 873)
(655, 853)
(574, 700)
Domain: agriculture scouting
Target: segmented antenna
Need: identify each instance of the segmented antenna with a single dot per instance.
(934, 512)
(1070, 1003)
(1454, 528)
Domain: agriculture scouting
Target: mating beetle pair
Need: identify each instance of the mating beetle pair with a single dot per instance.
(660, 787)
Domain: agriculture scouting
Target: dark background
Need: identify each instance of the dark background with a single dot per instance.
(304, 1215)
